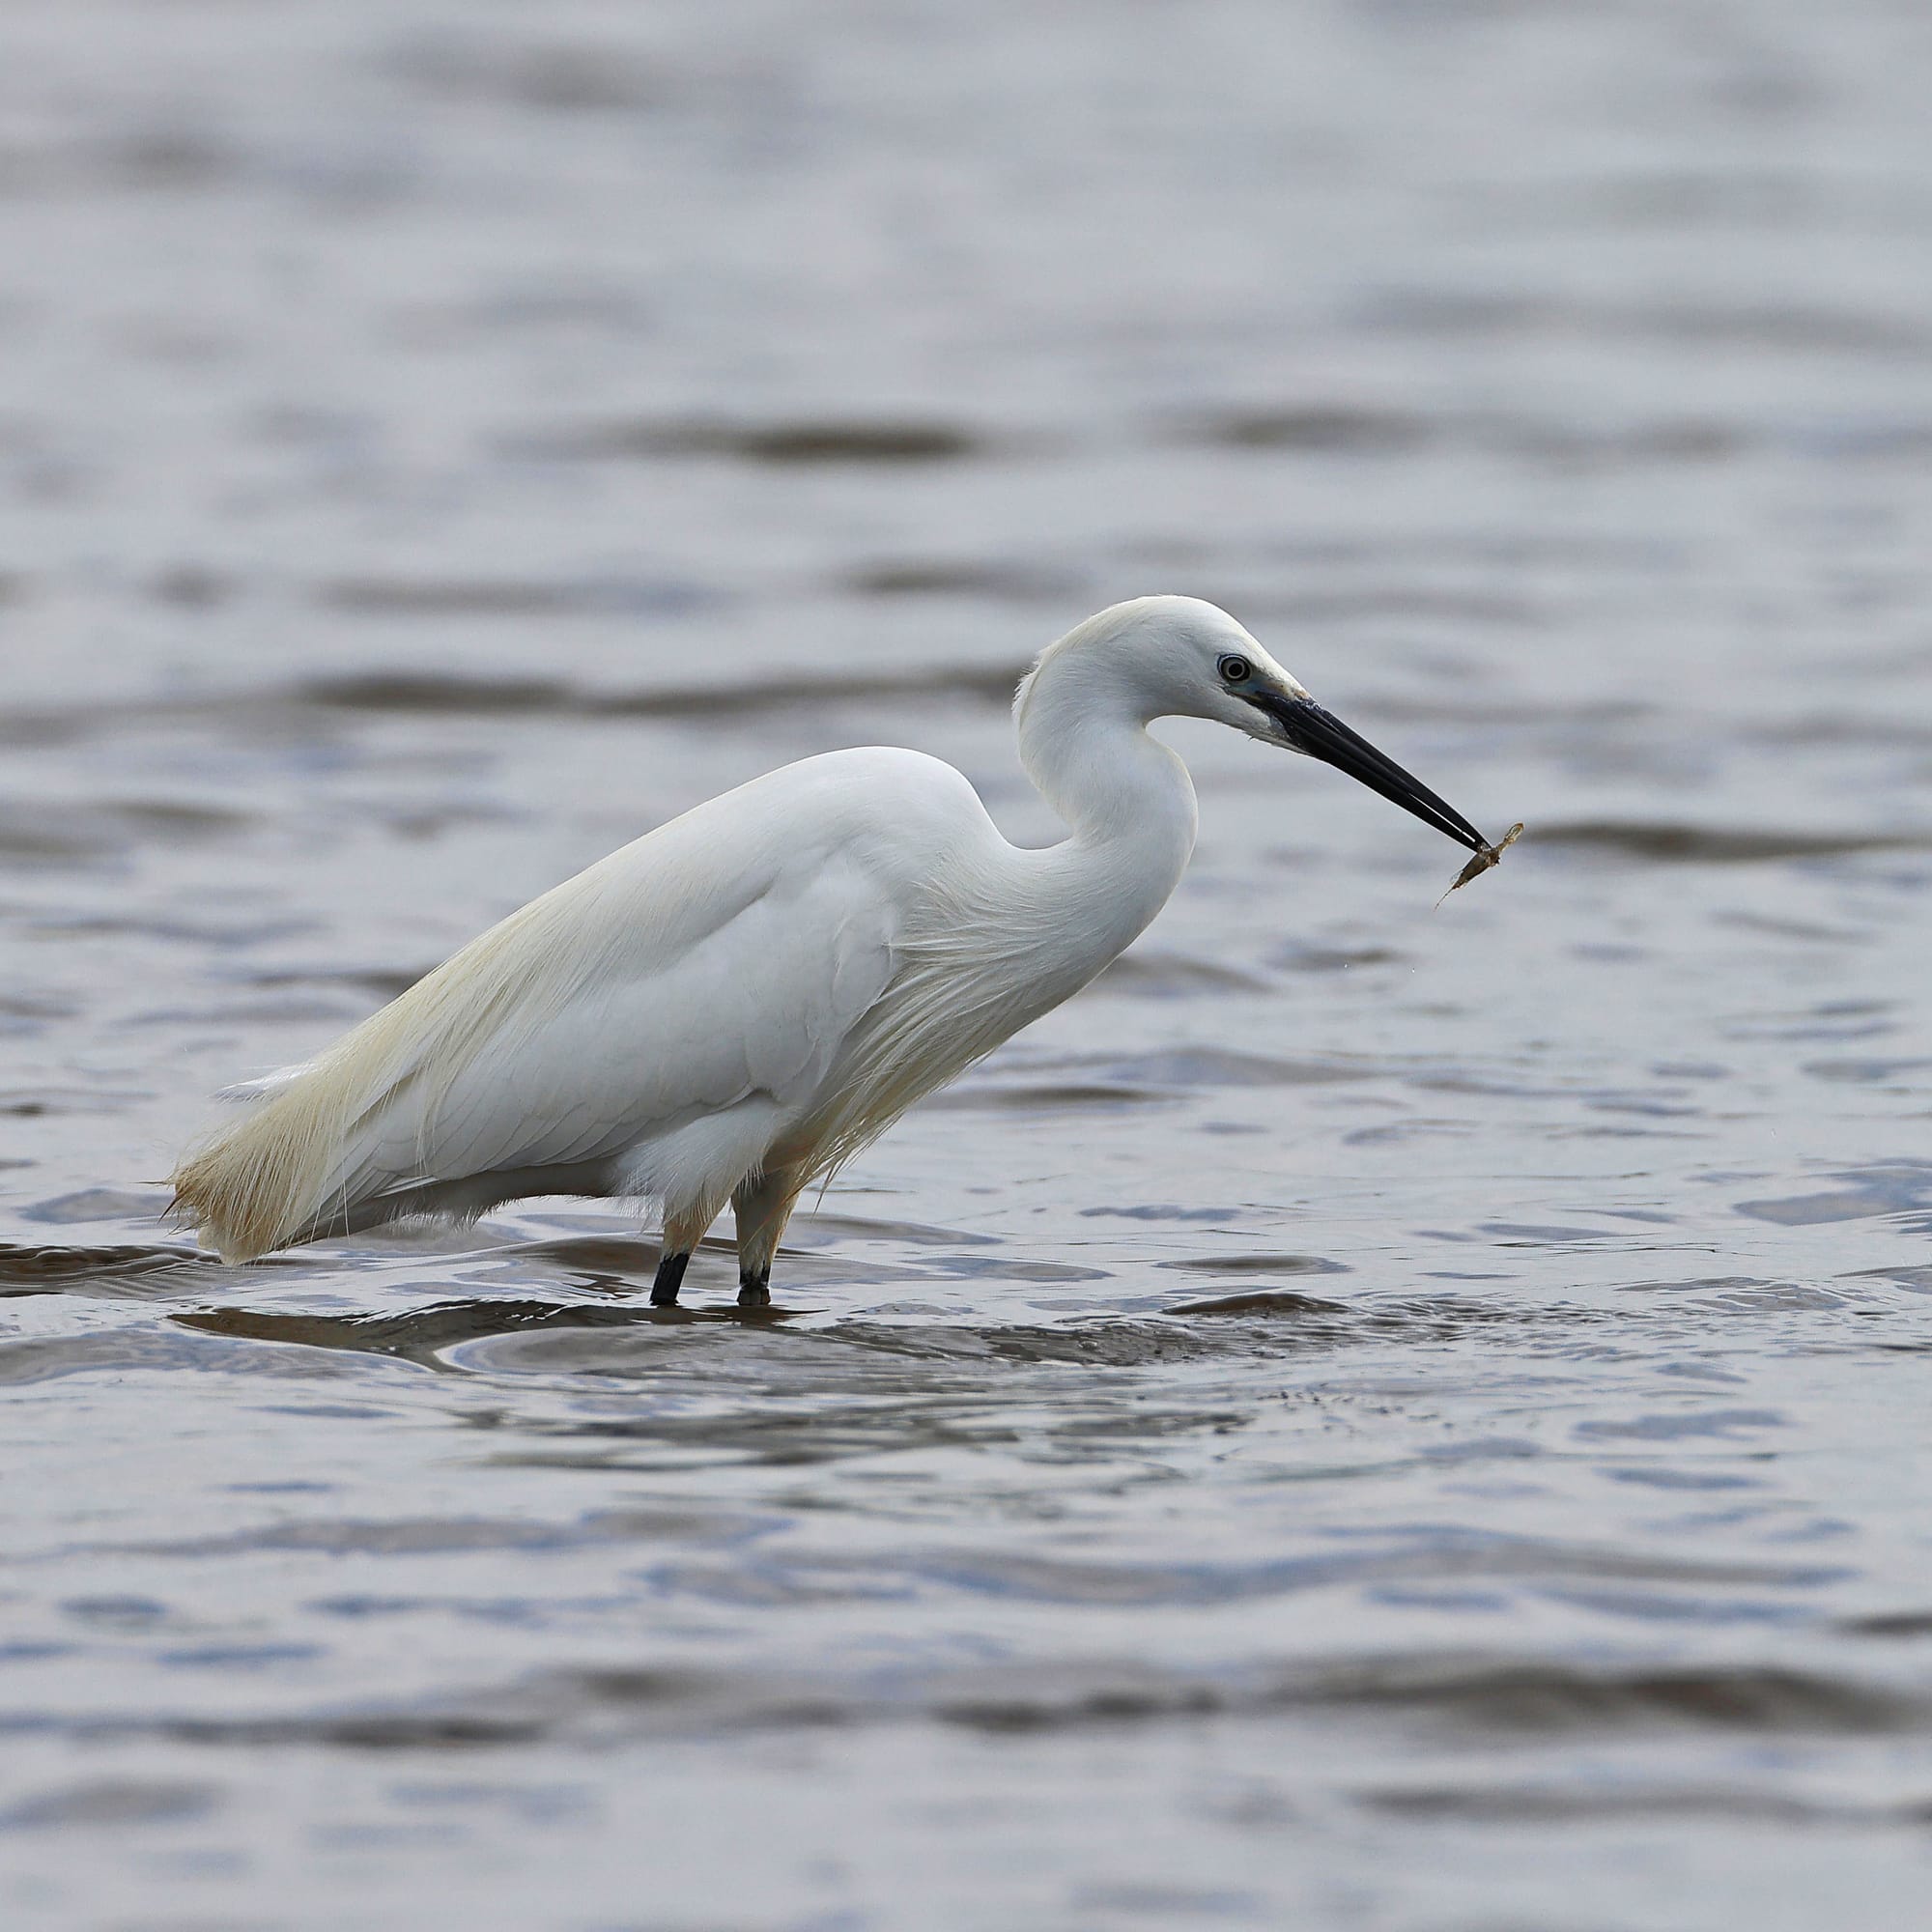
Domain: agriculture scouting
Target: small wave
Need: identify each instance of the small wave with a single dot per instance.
(896, 442)
(1474, 1698)
(35, 1269)
(462, 695)
(1717, 845)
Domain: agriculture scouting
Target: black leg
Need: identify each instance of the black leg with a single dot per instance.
(755, 1291)
(670, 1277)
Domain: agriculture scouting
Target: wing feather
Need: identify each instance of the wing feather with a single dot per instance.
(727, 955)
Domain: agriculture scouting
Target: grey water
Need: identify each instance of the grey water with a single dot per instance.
(1377, 1415)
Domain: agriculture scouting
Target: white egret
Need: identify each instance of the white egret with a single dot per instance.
(734, 1004)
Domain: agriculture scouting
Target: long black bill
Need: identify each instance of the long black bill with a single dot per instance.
(1321, 734)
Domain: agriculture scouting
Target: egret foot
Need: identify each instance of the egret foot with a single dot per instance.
(755, 1291)
(669, 1278)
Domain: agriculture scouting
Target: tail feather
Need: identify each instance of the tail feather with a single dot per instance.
(321, 1140)
(337, 1143)
(264, 1084)
(262, 1182)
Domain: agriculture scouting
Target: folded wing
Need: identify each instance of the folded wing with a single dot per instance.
(711, 966)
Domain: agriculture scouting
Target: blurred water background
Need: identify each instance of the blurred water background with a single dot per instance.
(1372, 1416)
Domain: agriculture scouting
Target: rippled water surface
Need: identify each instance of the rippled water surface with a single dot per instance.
(1375, 1415)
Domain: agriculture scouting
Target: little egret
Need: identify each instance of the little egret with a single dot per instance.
(734, 1004)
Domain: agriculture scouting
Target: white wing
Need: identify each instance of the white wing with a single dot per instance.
(720, 960)
(574, 1066)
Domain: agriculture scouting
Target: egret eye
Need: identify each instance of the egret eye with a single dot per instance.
(1236, 670)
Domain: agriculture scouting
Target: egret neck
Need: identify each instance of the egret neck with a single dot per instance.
(1128, 800)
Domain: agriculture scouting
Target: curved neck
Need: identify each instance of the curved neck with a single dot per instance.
(1128, 801)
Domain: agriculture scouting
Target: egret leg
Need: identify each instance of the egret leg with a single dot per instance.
(683, 1229)
(763, 1205)
(669, 1278)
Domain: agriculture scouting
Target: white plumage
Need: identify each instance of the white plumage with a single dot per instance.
(737, 1002)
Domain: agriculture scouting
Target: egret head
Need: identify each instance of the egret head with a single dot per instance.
(1184, 658)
